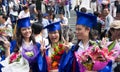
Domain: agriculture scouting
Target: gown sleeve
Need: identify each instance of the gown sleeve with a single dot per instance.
(42, 63)
(12, 46)
(68, 62)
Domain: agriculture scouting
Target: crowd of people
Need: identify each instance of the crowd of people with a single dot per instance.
(33, 39)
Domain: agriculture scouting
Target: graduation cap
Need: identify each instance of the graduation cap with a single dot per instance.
(53, 26)
(24, 22)
(88, 20)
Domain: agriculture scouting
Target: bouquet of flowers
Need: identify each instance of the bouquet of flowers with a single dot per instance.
(15, 63)
(97, 56)
(54, 60)
(31, 54)
(15, 57)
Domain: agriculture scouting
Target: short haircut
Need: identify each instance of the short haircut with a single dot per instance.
(37, 28)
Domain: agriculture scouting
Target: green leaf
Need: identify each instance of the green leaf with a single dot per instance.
(111, 46)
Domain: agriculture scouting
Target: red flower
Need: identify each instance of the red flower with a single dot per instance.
(55, 49)
(13, 57)
(61, 52)
(56, 57)
(60, 45)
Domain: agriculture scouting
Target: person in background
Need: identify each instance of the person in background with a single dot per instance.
(33, 11)
(13, 13)
(77, 5)
(100, 22)
(8, 27)
(38, 31)
(115, 36)
(93, 5)
(52, 18)
(1, 8)
(113, 8)
(64, 20)
(45, 22)
(24, 13)
(83, 9)
(108, 20)
(99, 7)
(66, 8)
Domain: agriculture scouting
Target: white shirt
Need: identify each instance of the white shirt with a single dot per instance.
(50, 51)
(15, 13)
(108, 20)
(82, 48)
(86, 4)
(22, 14)
(45, 22)
(64, 20)
(28, 46)
(112, 1)
(40, 38)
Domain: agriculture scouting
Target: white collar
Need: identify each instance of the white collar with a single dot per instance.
(82, 47)
(29, 44)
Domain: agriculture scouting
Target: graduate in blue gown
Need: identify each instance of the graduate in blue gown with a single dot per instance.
(25, 43)
(84, 25)
(55, 48)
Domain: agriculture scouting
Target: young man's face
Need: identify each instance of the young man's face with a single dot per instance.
(105, 12)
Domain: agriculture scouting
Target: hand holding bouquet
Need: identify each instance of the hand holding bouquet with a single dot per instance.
(97, 56)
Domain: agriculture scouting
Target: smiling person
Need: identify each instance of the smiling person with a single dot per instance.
(56, 46)
(69, 61)
(115, 35)
(26, 53)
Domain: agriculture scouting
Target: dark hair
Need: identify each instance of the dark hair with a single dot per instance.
(37, 28)
(60, 39)
(93, 33)
(25, 7)
(83, 9)
(96, 13)
(52, 15)
(5, 17)
(33, 1)
(19, 38)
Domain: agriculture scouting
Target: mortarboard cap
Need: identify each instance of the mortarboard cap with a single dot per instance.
(24, 22)
(53, 26)
(88, 20)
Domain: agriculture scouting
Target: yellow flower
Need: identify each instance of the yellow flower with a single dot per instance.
(30, 54)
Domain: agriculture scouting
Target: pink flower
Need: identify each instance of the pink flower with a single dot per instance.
(13, 57)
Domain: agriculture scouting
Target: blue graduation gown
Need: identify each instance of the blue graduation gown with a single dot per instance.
(68, 61)
(39, 66)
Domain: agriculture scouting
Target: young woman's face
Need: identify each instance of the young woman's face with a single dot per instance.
(54, 36)
(82, 32)
(26, 32)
